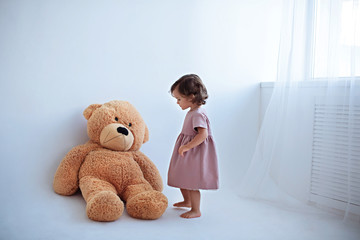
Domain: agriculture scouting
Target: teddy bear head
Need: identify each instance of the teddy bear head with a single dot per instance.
(116, 125)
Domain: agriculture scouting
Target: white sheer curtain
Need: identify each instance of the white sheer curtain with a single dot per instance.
(308, 147)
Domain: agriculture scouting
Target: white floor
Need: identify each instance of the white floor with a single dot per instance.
(46, 215)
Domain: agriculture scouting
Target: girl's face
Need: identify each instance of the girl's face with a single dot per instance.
(182, 101)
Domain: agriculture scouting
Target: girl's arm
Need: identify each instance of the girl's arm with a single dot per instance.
(197, 140)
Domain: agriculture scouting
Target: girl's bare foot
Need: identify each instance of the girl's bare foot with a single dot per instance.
(182, 204)
(191, 214)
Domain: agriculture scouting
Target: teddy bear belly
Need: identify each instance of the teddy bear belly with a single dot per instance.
(117, 168)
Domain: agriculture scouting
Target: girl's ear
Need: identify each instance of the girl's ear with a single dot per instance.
(190, 97)
(146, 136)
(90, 109)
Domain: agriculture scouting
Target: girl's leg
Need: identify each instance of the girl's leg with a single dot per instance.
(187, 199)
(195, 205)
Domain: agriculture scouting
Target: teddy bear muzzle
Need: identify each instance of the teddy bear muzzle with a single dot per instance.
(116, 137)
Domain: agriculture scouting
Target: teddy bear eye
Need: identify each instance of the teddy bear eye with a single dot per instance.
(116, 119)
(130, 124)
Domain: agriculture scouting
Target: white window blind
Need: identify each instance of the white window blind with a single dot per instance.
(335, 173)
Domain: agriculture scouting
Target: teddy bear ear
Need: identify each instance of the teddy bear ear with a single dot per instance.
(90, 109)
(146, 136)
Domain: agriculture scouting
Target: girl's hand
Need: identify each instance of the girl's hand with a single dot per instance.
(197, 140)
(183, 149)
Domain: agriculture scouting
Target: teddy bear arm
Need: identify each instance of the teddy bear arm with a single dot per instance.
(150, 172)
(66, 177)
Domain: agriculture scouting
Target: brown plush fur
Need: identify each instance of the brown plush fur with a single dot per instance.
(109, 169)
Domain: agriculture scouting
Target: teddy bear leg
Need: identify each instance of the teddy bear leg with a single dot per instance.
(143, 202)
(103, 203)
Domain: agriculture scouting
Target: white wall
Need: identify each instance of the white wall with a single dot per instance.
(57, 57)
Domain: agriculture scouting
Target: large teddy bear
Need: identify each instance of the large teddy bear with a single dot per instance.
(110, 169)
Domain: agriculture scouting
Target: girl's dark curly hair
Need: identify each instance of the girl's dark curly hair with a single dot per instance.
(191, 84)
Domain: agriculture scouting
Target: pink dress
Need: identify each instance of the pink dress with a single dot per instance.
(198, 168)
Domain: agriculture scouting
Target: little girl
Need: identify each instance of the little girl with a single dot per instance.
(193, 163)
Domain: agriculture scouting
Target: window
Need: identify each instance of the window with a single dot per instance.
(336, 38)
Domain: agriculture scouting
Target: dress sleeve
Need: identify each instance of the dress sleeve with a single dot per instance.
(199, 120)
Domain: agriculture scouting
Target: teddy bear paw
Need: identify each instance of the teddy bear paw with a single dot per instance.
(147, 205)
(105, 206)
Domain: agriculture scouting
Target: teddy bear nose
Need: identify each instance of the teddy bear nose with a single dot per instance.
(122, 131)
